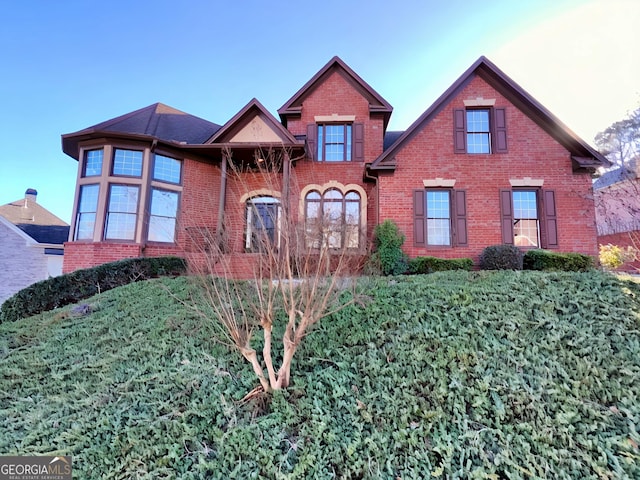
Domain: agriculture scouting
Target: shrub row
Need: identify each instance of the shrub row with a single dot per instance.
(510, 257)
(420, 265)
(73, 287)
(555, 261)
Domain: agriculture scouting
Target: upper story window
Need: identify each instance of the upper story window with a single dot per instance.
(334, 142)
(92, 163)
(167, 169)
(480, 130)
(478, 133)
(127, 162)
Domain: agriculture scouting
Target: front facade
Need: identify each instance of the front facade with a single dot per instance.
(484, 165)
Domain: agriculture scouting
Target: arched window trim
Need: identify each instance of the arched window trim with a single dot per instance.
(344, 190)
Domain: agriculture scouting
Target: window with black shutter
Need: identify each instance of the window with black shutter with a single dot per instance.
(439, 217)
(480, 130)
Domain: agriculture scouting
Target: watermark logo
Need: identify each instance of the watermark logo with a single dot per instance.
(35, 468)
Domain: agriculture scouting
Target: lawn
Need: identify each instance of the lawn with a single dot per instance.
(449, 375)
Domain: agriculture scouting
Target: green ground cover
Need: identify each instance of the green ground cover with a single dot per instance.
(450, 375)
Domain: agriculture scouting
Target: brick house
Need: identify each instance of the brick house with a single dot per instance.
(485, 164)
(31, 244)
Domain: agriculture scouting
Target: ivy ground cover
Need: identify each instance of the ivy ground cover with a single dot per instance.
(449, 375)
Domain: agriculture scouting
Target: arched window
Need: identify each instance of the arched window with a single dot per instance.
(263, 223)
(332, 218)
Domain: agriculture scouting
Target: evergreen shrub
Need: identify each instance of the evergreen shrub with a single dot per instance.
(555, 261)
(75, 286)
(388, 255)
(501, 257)
(421, 265)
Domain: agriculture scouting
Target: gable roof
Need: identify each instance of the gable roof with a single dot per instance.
(582, 154)
(35, 220)
(377, 104)
(252, 110)
(157, 121)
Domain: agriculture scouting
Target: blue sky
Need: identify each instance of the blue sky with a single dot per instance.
(71, 64)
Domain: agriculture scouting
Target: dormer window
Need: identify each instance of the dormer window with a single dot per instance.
(334, 142)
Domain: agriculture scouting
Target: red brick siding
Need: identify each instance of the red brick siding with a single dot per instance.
(531, 153)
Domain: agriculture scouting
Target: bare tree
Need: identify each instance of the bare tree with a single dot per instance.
(617, 191)
(302, 271)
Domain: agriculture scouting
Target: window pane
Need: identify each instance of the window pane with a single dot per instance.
(320, 142)
(93, 163)
(477, 121)
(86, 216)
(127, 162)
(332, 194)
(524, 205)
(478, 143)
(121, 213)
(438, 232)
(437, 204)
(167, 169)
(162, 221)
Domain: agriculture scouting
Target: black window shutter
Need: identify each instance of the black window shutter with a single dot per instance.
(419, 219)
(459, 131)
(506, 216)
(460, 220)
(312, 134)
(500, 130)
(550, 218)
(358, 142)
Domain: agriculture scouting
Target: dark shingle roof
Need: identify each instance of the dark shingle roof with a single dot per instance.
(390, 138)
(35, 220)
(54, 234)
(155, 121)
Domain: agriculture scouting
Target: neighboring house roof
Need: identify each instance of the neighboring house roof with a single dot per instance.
(582, 154)
(35, 220)
(617, 175)
(377, 104)
(157, 121)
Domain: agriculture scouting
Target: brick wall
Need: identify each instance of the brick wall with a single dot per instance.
(531, 153)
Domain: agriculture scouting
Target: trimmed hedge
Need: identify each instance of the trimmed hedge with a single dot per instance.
(501, 257)
(420, 265)
(71, 288)
(554, 261)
